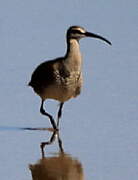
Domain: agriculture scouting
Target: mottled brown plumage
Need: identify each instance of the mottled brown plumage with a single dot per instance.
(54, 80)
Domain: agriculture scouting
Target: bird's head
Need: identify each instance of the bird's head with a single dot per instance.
(78, 32)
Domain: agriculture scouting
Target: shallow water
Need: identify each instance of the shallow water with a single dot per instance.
(98, 128)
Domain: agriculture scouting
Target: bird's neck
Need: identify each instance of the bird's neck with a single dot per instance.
(73, 56)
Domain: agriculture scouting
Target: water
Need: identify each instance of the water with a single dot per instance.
(98, 128)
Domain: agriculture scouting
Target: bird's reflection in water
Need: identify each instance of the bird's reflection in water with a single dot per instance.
(58, 167)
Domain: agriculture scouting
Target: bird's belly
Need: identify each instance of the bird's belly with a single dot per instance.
(58, 93)
(63, 90)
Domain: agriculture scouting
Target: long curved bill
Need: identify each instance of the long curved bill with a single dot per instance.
(89, 34)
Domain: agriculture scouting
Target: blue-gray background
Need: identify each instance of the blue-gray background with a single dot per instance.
(100, 126)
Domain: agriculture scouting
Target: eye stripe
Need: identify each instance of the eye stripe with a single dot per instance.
(76, 32)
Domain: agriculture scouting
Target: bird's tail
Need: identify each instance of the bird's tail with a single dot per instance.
(30, 83)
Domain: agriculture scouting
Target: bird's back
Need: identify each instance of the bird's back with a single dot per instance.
(53, 79)
(42, 75)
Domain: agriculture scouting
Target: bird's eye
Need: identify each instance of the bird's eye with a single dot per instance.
(76, 32)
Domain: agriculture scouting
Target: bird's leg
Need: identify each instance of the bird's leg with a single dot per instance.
(43, 144)
(51, 140)
(46, 114)
(59, 113)
(60, 144)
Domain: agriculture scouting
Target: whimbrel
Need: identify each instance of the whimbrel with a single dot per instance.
(61, 79)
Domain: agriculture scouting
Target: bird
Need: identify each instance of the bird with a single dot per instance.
(61, 78)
